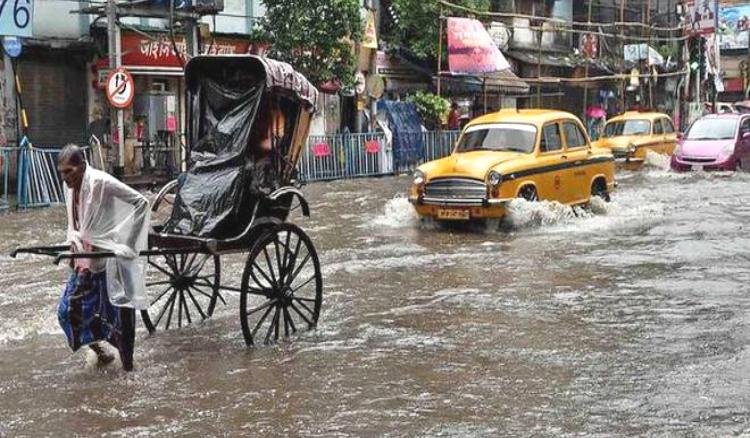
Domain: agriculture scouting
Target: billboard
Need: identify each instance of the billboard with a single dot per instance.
(702, 15)
(471, 49)
(734, 22)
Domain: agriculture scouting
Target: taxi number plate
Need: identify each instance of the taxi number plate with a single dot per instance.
(697, 167)
(452, 214)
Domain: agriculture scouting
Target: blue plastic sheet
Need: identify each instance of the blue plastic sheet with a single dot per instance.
(404, 121)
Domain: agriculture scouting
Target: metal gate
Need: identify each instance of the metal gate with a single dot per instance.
(5, 155)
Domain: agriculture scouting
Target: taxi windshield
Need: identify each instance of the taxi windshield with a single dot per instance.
(712, 129)
(515, 137)
(627, 127)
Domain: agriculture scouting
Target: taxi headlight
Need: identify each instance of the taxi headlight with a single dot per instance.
(631, 148)
(494, 178)
(677, 150)
(419, 177)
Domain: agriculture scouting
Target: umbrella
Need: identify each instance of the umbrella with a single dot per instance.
(596, 112)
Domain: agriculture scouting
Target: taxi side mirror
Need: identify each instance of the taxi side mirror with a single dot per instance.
(746, 135)
(680, 136)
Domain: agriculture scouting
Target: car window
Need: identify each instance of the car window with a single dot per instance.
(551, 140)
(627, 127)
(658, 127)
(668, 126)
(573, 135)
(745, 127)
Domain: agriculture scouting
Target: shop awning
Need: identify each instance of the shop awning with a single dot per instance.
(500, 82)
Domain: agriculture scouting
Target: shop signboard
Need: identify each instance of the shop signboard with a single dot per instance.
(471, 49)
(139, 51)
(16, 17)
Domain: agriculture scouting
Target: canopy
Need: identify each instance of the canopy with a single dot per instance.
(280, 77)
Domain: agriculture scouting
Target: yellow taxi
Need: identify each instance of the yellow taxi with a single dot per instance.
(532, 154)
(632, 134)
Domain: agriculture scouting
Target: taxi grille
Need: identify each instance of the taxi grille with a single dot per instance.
(452, 188)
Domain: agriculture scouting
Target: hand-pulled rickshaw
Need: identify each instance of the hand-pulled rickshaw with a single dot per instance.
(248, 120)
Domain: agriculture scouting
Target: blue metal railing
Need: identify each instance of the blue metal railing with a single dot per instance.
(341, 156)
(6, 154)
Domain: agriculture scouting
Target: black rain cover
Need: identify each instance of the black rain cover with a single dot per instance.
(213, 198)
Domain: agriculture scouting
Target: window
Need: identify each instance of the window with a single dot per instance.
(573, 135)
(627, 127)
(515, 137)
(551, 140)
(712, 128)
(668, 126)
(658, 127)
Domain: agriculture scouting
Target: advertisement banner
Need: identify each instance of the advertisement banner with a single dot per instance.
(471, 49)
(702, 15)
(370, 37)
(734, 21)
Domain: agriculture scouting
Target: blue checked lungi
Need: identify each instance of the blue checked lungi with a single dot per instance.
(87, 316)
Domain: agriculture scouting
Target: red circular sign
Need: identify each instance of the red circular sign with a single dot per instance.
(120, 88)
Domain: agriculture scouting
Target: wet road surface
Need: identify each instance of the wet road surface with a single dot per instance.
(632, 319)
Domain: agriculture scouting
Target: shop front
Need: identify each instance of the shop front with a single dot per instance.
(155, 123)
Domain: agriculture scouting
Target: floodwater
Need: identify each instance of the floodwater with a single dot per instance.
(630, 319)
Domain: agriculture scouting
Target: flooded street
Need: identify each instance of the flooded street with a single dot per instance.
(631, 319)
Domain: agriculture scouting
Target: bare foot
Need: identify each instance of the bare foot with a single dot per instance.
(102, 357)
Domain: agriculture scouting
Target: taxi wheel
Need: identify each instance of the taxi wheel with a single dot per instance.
(599, 189)
(528, 193)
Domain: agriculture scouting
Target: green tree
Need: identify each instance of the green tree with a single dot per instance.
(317, 37)
(415, 24)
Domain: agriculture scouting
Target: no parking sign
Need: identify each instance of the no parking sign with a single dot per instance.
(120, 88)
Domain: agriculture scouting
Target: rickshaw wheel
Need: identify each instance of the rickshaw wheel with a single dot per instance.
(185, 289)
(282, 286)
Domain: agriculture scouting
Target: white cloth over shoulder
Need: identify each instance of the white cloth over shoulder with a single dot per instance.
(113, 217)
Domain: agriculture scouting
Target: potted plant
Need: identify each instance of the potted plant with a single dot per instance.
(432, 108)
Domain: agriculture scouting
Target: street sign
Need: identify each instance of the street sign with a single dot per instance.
(375, 86)
(12, 46)
(16, 17)
(120, 88)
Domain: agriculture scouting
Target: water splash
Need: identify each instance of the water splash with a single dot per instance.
(397, 213)
(657, 161)
(525, 214)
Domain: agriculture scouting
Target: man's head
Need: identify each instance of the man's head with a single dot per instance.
(454, 106)
(71, 163)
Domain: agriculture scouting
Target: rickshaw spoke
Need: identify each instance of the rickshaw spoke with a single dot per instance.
(262, 319)
(293, 259)
(164, 271)
(197, 306)
(300, 314)
(179, 311)
(270, 266)
(286, 255)
(270, 283)
(173, 298)
(201, 291)
(262, 306)
(164, 292)
(299, 268)
(202, 264)
(274, 322)
(164, 309)
(286, 322)
(278, 260)
(157, 283)
(302, 303)
(288, 316)
(183, 259)
(278, 322)
(187, 311)
(303, 284)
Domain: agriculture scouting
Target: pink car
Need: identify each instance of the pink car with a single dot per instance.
(715, 142)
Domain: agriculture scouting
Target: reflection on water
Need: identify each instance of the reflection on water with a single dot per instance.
(628, 318)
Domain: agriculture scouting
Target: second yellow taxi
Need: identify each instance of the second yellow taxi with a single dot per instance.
(632, 134)
(531, 154)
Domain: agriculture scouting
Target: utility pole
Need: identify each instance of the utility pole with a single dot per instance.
(117, 120)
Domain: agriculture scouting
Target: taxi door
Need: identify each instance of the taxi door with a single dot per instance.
(576, 177)
(657, 137)
(670, 136)
(551, 163)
